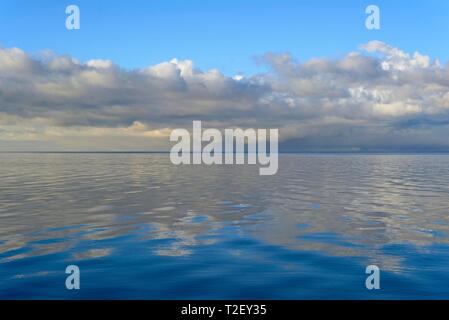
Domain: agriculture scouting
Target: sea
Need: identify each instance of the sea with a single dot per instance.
(138, 227)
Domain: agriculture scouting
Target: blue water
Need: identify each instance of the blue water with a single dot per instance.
(139, 227)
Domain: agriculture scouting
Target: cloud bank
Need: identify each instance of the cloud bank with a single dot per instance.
(376, 98)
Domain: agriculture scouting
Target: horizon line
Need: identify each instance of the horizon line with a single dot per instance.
(442, 152)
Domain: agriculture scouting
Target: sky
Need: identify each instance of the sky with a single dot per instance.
(137, 69)
(226, 35)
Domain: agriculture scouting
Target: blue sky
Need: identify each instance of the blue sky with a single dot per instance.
(322, 78)
(226, 35)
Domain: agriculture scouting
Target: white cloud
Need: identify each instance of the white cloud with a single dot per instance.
(366, 99)
(397, 59)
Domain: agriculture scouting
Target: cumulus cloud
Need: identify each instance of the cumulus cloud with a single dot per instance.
(378, 97)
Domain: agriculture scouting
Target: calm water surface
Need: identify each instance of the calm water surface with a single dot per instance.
(140, 227)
